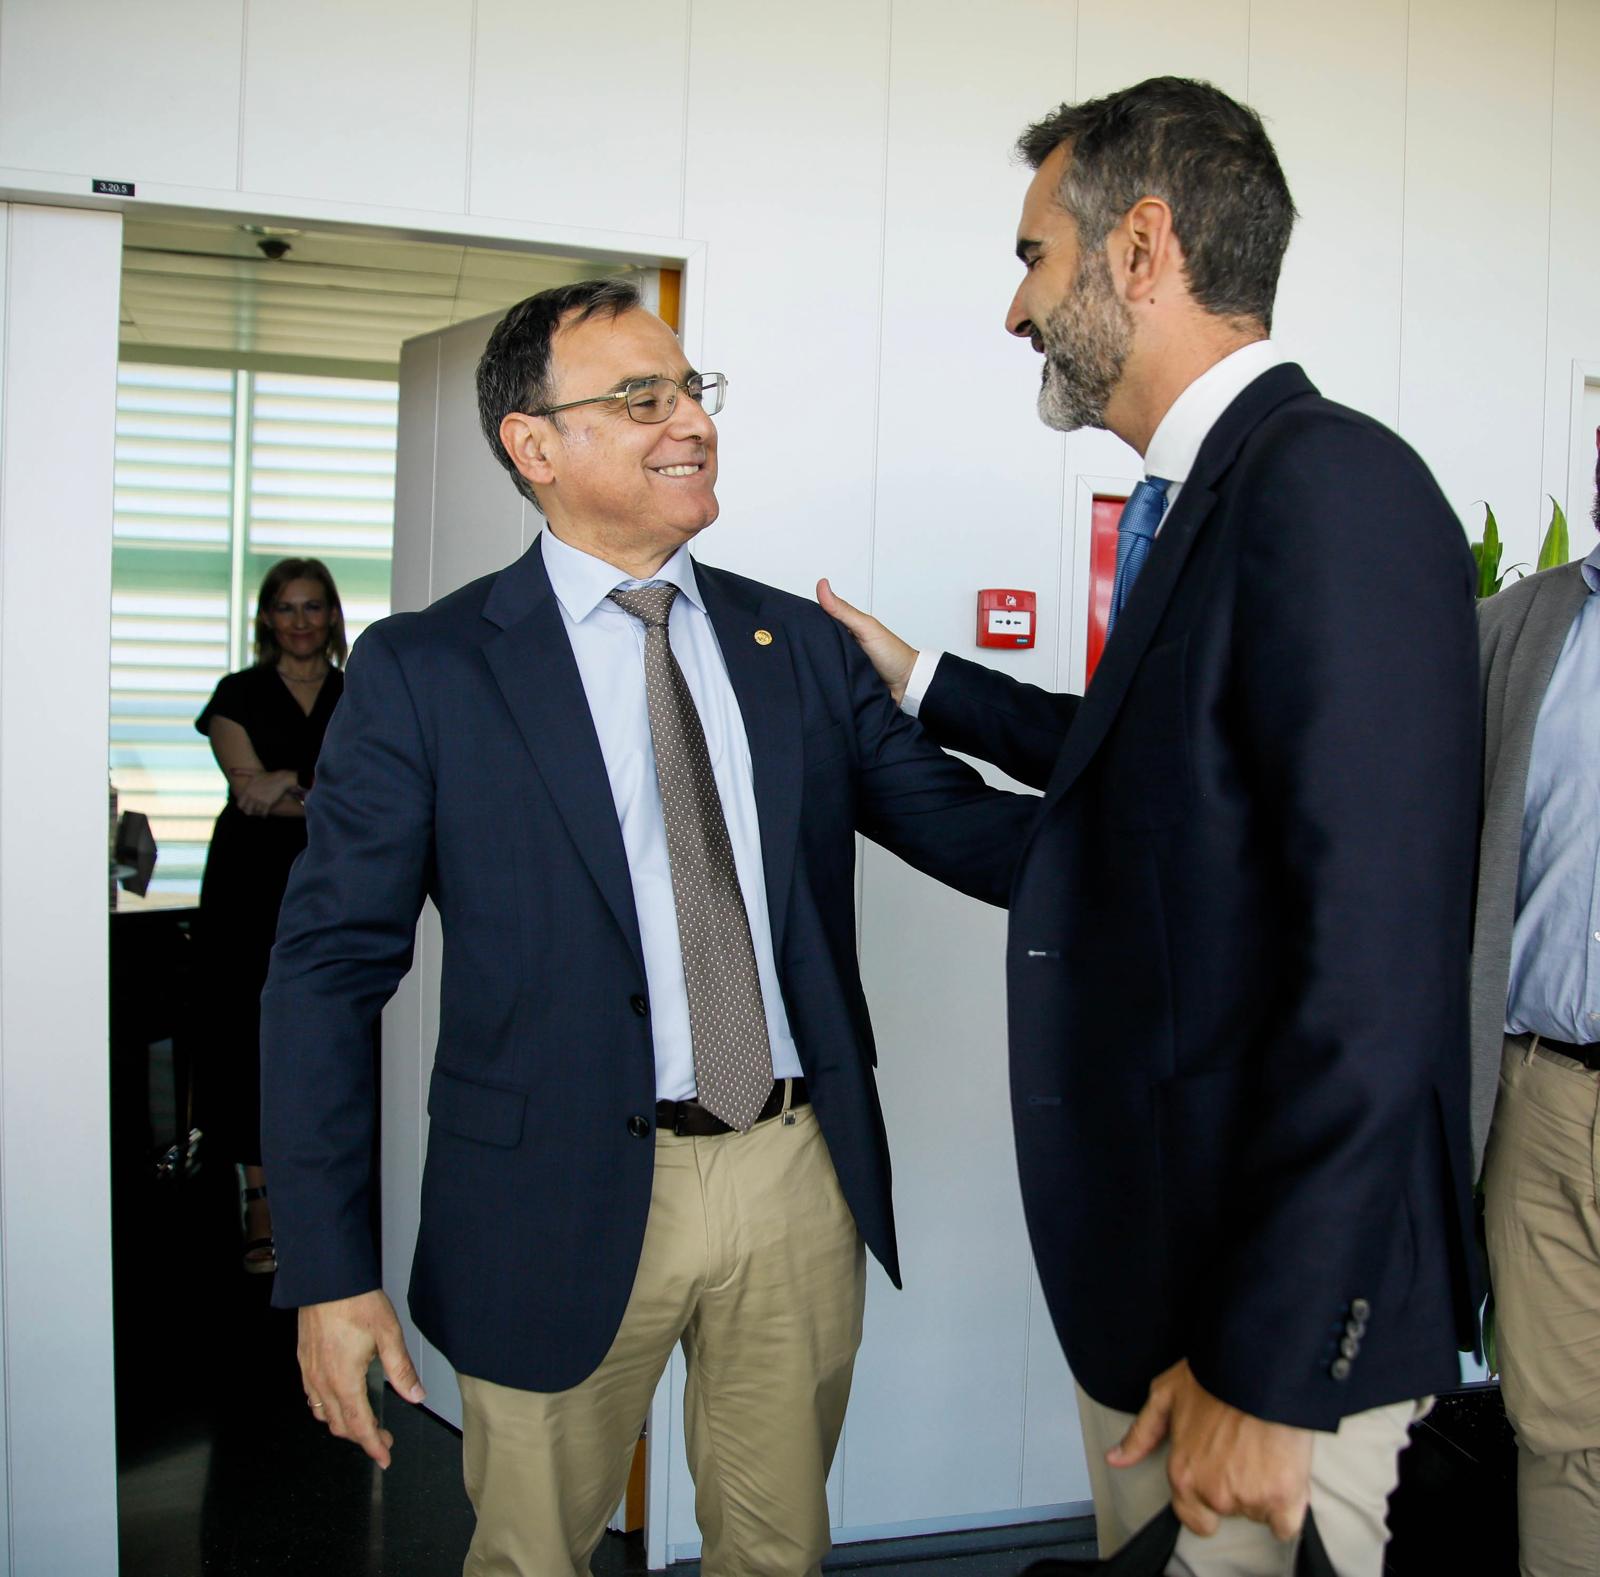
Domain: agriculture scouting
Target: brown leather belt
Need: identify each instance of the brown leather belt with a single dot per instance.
(689, 1119)
(1588, 1054)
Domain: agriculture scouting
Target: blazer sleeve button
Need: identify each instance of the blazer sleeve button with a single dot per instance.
(1340, 1368)
(638, 1126)
(638, 1004)
(1360, 1309)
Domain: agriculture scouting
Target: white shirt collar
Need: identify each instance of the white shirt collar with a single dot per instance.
(1177, 440)
(582, 582)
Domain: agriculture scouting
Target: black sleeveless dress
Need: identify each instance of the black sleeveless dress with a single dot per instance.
(246, 872)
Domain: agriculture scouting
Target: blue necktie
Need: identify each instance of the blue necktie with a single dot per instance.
(1136, 530)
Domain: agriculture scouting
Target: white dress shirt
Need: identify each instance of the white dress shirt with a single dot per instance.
(609, 647)
(1173, 448)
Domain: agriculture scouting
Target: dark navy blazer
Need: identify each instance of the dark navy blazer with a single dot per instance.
(462, 765)
(1239, 933)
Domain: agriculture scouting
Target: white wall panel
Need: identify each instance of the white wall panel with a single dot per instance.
(953, 1344)
(1574, 326)
(569, 136)
(1051, 1437)
(1339, 299)
(1473, 382)
(122, 92)
(969, 493)
(784, 181)
(60, 325)
(1120, 44)
(366, 100)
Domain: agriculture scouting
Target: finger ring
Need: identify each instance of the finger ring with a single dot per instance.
(317, 1406)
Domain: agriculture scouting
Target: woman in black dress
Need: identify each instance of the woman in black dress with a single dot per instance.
(265, 724)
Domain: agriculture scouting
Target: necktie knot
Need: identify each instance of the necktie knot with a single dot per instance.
(1146, 504)
(652, 605)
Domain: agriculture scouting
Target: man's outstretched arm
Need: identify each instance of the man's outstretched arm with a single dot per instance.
(966, 706)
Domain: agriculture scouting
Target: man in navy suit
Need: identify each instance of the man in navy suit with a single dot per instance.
(1239, 932)
(631, 785)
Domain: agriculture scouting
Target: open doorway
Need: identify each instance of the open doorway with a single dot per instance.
(257, 420)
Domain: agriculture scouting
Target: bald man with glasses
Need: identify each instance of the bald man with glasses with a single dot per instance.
(631, 785)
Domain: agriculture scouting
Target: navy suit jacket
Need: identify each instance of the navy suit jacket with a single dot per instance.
(1239, 932)
(463, 765)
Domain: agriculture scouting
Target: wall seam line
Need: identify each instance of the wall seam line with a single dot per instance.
(244, 79)
(1027, 1371)
(6, 390)
(883, 266)
(472, 118)
(1405, 187)
(877, 425)
(683, 145)
(1549, 260)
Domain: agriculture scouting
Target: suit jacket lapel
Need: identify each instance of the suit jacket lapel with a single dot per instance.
(762, 675)
(1134, 628)
(1141, 617)
(532, 662)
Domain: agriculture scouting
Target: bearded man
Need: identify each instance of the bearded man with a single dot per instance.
(1237, 966)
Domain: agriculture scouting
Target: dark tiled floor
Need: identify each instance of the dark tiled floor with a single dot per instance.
(223, 1472)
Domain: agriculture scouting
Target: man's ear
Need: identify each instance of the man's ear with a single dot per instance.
(1145, 256)
(527, 440)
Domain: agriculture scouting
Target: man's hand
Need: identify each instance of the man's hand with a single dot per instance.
(337, 1343)
(893, 659)
(1223, 1463)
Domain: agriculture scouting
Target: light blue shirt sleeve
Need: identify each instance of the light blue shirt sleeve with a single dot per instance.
(1555, 943)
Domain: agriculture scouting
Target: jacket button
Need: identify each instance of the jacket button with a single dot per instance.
(638, 1126)
(1340, 1368)
(1360, 1309)
(639, 1005)
(1349, 1346)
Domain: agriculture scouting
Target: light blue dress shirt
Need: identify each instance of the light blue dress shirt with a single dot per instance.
(609, 647)
(1555, 943)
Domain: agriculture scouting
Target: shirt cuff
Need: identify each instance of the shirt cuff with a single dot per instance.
(922, 672)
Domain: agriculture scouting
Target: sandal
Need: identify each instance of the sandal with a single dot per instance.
(260, 1253)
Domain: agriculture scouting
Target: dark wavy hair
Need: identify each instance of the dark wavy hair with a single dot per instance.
(1206, 156)
(514, 373)
(272, 584)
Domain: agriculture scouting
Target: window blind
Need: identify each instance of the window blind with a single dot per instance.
(219, 474)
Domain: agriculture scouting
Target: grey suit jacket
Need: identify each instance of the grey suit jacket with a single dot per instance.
(1520, 634)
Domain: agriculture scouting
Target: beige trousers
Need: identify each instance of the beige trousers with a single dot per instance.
(1542, 1216)
(752, 1261)
(1353, 1473)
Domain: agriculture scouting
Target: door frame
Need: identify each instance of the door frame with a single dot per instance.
(82, 623)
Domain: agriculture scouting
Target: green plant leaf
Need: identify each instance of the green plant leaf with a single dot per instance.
(1555, 549)
(1487, 553)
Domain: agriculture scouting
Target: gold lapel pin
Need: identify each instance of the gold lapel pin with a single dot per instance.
(763, 637)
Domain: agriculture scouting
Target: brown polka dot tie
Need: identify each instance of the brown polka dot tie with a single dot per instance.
(727, 1018)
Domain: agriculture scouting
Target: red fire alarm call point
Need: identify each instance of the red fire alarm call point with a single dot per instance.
(1007, 618)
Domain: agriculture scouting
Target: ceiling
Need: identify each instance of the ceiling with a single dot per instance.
(208, 288)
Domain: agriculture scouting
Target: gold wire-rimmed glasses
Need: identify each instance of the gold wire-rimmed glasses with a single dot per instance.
(654, 399)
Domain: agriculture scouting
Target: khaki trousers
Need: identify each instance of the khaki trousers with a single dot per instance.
(1543, 1223)
(1353, 1473)
(752, 1261)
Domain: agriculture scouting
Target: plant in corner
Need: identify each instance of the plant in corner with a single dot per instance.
(1555, 549)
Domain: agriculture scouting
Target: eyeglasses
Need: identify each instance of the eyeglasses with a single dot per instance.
(654, 399)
